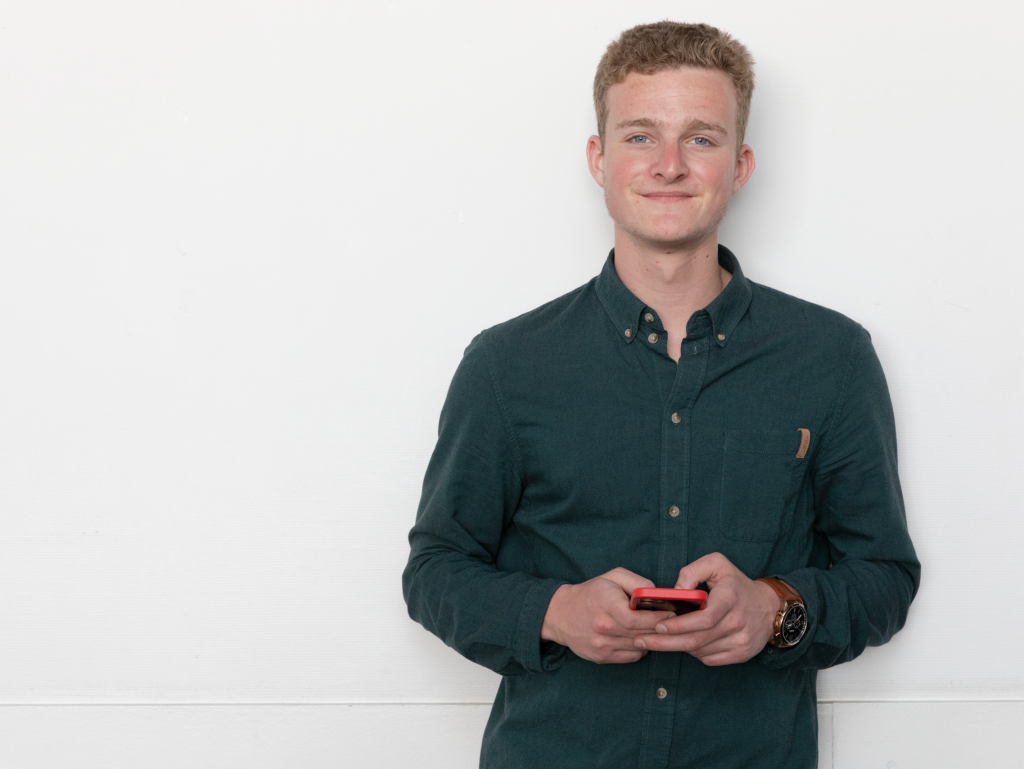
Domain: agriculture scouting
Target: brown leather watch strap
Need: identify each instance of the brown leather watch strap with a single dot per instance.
(784, 591)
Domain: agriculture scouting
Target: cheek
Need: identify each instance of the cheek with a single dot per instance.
(617, 185)
(718, 176)
(622, 171)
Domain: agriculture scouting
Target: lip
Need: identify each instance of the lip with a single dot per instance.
(667, 196)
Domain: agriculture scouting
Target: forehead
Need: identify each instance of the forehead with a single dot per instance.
(674, 95)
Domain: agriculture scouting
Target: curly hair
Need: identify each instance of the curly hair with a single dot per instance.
(651, 48)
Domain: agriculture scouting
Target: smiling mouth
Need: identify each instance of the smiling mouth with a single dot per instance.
(667, 196)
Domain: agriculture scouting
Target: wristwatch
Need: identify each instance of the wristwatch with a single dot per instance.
(791, 621)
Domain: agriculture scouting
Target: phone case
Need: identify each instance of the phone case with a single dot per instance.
(668, 599)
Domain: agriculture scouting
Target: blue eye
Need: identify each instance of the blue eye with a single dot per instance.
(700, 141)
(637, 139)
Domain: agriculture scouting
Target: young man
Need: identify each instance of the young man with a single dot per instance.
(668, 424)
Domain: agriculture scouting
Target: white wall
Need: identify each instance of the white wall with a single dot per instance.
(242, 247)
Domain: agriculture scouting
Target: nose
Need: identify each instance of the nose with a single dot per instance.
(669, 164)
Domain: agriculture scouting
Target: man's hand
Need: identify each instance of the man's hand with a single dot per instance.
(595, 621)
(735, 625)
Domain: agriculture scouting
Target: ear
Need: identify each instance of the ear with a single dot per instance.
(744, 168)
(595, 159)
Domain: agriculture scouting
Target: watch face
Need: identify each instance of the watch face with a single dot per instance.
(794, 625)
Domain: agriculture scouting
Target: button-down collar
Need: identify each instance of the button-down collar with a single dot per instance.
(724, 312)
(621, 305)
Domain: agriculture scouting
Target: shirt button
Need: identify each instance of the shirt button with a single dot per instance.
(673, 511)
(649, 318)
(652, 338)
(721, 337)
(629, 333)
(676, 418)
(662, 692)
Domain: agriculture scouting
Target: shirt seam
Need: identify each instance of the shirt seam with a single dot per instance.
(844, 391)
(526, 654)
(506, 421)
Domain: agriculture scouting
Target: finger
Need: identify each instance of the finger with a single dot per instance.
(709, 568)
(705, 644)
(619, 621)
(729, 649)
(641, 620)
(615, 651)
(695, 621)
(695, 639)
(724, 658)
(686, 642)
(630, 655)
(627, 580)
(712, 646)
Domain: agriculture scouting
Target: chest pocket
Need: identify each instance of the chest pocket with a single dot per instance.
(761, 476)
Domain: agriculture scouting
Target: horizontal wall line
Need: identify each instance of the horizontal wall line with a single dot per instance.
(421, 704)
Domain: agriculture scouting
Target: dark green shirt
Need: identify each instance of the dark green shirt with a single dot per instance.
(571, 443)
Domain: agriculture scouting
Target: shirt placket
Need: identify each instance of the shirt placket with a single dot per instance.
(673, 517)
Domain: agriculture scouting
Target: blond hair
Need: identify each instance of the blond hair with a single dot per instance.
(650, 48)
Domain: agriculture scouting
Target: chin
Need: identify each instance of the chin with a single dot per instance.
(676, 235)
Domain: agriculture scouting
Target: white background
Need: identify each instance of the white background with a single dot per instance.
(242, 247)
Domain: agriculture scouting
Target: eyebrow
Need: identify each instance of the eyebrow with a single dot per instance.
(640, 122)
(693, 125)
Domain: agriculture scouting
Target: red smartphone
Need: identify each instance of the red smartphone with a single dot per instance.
(668, 599)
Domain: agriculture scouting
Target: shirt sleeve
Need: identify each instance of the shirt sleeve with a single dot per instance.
(863, 598)
(451, 584)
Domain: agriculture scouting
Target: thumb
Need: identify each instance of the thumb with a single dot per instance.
(627, 580)
(709, 568)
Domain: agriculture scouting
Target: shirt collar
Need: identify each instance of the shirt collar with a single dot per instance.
(724, 312)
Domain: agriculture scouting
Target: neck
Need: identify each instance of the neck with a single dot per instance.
(674, 281)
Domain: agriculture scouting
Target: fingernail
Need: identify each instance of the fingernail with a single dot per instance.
(639, 643)
(662, 629)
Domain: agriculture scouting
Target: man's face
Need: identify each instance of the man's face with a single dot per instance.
(670, 162)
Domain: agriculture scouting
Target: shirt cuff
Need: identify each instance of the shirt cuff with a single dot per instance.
(527, 645)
